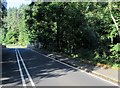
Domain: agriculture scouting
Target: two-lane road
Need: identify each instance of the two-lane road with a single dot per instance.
(24, 67)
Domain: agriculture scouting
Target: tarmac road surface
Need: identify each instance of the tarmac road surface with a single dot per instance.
(24, 67)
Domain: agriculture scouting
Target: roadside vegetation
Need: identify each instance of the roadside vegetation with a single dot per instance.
(3, 13)
(84, 30)
(15, 30)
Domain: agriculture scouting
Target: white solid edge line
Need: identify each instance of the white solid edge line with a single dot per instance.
(20, 69)
(28, 74)
(75, 68)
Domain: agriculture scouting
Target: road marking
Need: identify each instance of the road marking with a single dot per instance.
(4, 79)
(28, 74)
(20, 69)
(74, 67)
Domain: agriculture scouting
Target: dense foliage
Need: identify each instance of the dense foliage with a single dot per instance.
(15, 26)
(3, 13)
(85, 30)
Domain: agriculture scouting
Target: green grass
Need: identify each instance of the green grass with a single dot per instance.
(116, 66)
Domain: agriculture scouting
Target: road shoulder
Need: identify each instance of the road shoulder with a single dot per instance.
(107, 74)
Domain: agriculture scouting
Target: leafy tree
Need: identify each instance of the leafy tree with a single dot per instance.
(3, 13)
(86, 30)
(16, 29)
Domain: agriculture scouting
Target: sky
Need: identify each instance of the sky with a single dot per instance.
(17, 3)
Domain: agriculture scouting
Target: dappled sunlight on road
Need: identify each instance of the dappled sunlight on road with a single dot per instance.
(42, 70)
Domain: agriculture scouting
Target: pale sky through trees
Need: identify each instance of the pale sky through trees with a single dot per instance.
(16, 3)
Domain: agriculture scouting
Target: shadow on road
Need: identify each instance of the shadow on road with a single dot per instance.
(39, 67)
(10, 72)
